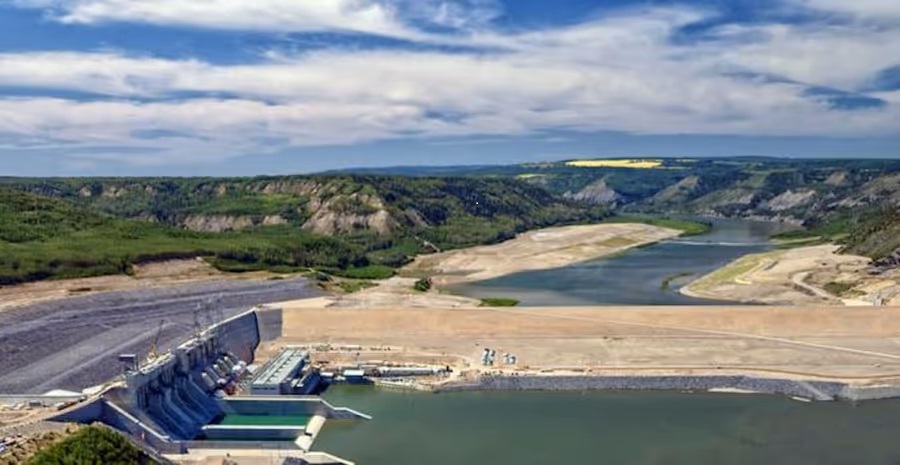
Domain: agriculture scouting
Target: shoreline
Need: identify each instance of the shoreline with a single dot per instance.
(816, 390)
(798, 276)
(540, 249)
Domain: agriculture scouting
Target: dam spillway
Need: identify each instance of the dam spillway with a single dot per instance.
(179, 401)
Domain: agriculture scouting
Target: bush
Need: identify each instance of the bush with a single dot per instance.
(91, 446)
(499, 302)
(423, 285)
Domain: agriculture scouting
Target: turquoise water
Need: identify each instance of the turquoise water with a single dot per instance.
(658, 428)
(634, 277)
(263, 420)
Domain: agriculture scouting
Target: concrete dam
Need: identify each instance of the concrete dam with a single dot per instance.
(180, 400)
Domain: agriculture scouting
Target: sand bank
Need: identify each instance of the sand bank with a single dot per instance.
(816, 275)
(535, 250)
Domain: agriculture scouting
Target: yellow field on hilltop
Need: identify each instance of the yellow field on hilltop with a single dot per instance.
(635, 163)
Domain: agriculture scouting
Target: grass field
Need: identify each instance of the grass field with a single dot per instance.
(730, 272)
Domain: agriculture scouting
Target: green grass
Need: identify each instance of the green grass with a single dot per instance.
(499, 302)
(368, 272)
(730, 272)
(353, 286)
(687, 228)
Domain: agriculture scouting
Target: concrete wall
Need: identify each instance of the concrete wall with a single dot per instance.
(253, 433)
(172, 393)
(270, 323)
(107, 413)
(171, 399)
(47, 401)
(288, 406)
(860, 393)
(275, 405)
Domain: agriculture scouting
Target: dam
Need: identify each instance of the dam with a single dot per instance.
(202, 396)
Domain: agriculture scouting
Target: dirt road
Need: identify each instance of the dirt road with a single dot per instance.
(150, 275)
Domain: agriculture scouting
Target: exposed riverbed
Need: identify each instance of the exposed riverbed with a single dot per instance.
(651, 275)
(538, 428)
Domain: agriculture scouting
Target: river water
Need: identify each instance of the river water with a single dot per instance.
(635, 277)
(617, 428)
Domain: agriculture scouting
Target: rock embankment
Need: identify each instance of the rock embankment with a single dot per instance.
(818, 390)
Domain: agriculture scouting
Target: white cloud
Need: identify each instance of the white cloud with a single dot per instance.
(872, 9)
(842, 56)
(617, 73)
(379, 17)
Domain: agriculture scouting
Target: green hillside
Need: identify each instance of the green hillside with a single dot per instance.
(851, 201)
(368, 224)
(354, 226)
(878, 235)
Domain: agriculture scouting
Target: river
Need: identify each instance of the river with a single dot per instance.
(637, 276)
(620, 428)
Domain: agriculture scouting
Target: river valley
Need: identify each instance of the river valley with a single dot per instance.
(649, 275)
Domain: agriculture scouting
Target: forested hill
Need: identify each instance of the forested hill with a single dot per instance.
(366, 225)
(359, 226)
(854, 201)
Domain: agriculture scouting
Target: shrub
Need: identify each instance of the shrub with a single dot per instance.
(423, 285)
(499, 302)
(91, 446)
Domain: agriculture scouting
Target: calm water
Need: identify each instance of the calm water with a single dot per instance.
(536, 428)
(635, 277)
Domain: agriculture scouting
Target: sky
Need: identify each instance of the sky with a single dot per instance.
(240, 87)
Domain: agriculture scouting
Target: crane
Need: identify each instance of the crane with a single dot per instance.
(154, 347)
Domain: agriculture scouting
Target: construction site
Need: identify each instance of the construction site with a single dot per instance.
(847, 346)
(206, 398)
(246, 388)
(233, 371)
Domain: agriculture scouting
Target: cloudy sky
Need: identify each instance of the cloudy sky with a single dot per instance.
(278, 86)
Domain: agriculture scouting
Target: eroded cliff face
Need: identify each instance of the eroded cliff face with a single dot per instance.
(329, 207)
(678, 192)
(217, 223)
(346, 214)
(597, 193)
(791, 199)
(223, 223)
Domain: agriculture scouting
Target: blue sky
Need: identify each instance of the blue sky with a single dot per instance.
(237, 87)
